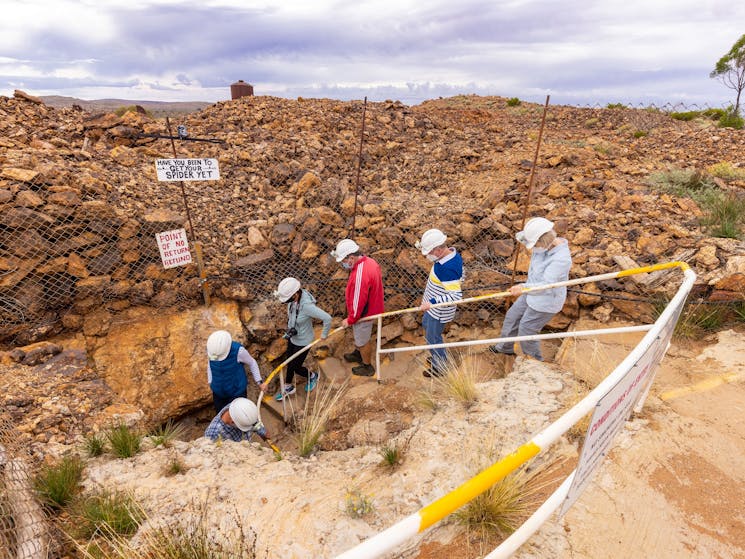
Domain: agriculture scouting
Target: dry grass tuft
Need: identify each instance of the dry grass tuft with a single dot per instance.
(459, 381)
(501, 509)
(189, 537)
(319, 406)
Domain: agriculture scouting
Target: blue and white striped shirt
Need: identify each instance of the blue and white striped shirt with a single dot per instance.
(444, 284)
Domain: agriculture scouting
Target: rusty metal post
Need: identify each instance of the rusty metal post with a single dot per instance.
(359, 168)
(530, 186)
(197, 244)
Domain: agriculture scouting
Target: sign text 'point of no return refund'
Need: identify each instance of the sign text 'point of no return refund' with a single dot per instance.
(187, 169)
(174, 248)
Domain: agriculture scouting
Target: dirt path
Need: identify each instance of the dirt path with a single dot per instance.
(674, 485)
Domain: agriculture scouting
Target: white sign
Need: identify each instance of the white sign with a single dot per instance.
(187, 169)
(614, 409)
(174, 248)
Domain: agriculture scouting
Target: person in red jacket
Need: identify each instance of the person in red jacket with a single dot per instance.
(364, 297)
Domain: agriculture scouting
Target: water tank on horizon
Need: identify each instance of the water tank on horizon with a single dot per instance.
(241, 89)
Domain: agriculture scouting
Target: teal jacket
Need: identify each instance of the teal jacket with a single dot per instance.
(300, 316)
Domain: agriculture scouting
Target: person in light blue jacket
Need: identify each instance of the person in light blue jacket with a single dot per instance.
(301, 310)
(550, 262)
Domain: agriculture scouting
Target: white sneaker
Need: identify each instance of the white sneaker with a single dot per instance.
(289, 389)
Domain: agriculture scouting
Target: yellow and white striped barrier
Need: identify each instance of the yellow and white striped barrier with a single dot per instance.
(416, 523)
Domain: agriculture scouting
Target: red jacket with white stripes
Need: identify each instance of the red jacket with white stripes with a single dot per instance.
(364, 292)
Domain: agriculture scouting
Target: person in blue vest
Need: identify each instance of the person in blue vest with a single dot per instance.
(225, 372)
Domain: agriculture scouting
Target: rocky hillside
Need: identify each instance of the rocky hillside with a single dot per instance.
(81, 204)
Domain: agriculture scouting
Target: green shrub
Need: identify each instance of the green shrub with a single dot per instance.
(499, 510)
(94, 445)
(124, 442)
(513, 102)
(58, 483)
(615, 106)
(175, 466)
(739, 310)
(592, 122)
(731, 120)
(691, 183)
(114, 511)
(726, 216)
(185, 537)
(696, 319)
(714, 114)
(166, 433)
(392, 455)
(641, 134)
(686, 116)
(726, 171)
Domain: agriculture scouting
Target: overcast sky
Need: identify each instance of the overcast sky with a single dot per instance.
(579, 52)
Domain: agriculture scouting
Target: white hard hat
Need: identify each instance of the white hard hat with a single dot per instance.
(244, 414)
(344, 248)
(218, 345)
(286, 289)
(432, 238)
(534, 229)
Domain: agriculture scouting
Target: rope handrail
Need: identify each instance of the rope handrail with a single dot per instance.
(499, 294)
(419, 521)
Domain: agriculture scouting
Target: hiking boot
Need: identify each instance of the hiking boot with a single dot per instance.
(289, 389)
(495, 349)
(312, 381)
(363, 370)
(354, 357)
(433, 372)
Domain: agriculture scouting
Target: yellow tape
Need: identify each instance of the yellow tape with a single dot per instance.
(653, 268)
(438, 510)
(707, 384)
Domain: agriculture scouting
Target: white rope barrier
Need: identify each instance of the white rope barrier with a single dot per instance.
(403, 530)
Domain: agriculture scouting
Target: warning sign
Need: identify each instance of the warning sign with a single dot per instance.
(613, 409)
(174, 248)
(187, 169)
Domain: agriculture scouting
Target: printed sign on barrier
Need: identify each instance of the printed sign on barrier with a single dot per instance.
(187, 169)
(613, 409)
(174, 248)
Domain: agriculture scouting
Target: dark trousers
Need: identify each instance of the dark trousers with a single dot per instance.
(221, 401)
(295, 367)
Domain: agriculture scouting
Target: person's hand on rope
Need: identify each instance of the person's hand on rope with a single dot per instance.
(516, 290)
(345, 323)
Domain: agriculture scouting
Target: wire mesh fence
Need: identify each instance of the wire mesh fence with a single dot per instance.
(69, 247)
(24, 530)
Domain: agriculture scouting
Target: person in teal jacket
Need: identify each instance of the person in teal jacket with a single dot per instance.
(301, 310)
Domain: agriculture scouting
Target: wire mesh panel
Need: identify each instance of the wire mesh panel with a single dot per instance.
(63, 256)
(81, 202)
(24, 531)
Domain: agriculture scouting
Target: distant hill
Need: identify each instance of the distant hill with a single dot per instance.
(157, 108)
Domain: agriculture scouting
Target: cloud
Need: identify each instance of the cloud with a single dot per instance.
(614, 49)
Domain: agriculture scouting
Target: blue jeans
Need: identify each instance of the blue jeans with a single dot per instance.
(521, 320)
(433, 335)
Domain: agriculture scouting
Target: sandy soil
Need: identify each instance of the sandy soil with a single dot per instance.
(672, 487)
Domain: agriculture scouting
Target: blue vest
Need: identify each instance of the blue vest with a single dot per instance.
(228, 376)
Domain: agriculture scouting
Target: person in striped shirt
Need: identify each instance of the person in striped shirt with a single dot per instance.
(443, 286)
